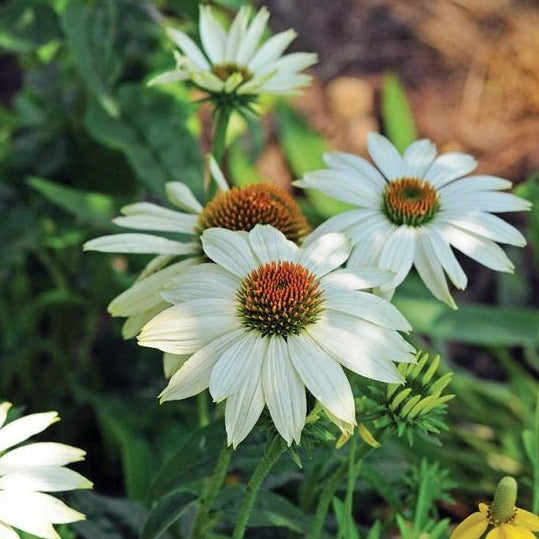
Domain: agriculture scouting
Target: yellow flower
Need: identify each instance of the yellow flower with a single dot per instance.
(508, 521)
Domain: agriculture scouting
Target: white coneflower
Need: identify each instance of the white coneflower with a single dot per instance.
(269, 319)
(413, 208)
(28, 471)
(234, 61)
(235, 209)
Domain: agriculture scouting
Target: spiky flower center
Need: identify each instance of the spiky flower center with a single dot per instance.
(280, 298)
(223, 71)
(410, 201)
(244, 207)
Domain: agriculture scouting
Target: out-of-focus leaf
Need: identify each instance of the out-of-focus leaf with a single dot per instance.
(344, 520)
(90, 29)
(397, 116)
(303, 150)
(151, 132)
(167, 511)
(241, 171)
(93, 207)
(26, 25)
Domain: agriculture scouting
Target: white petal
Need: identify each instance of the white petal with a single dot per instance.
(356, 279)
(236, 33)
(271, 49)
(179, 194)
(194, 375)
(6, 532)
(445, 256)
(342, 186)
(44, 479)
(139, 244)
(252, 37)
(385, 156)
(448, 167)
(21, 429)
(472, 184)
(285, 85)
(284, 392)
(348, 162)
(189, 47)
(397, 254)
(239, 362)
(136, 322)
(325, 254)
(145, 295)
(419, 156)
(39, 454)
(172, 363)
(212, 35)
(4, 409)
(484, 201)
(339, 223)
(486, 252)
(323, 377)
(201, 281)
(217, 174)
(207, 80)
(483, 224)
(288, 66)
(360, 356)
(366, 306)
(243, 410)
(430, 270)
(270, 244)
(148, 216)
(230, 250)
(167, 77)
(368, 238)
(185, 328)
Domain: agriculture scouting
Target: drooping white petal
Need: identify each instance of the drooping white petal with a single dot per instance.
(6, 532)
(172, 363)
(4, 409)
(418, 157)
(24, 427)
(323, 377)
(207, 80)
(189, 326)
(385, 156)
(339, 223)
(486, 201)
(139, 244)
(189, 47)
(366, 306)
(217, 174)
(368, 237)
(201, 281)
(243, 410)
(485, 251)
(239, 362)
(194, 375)
(144, 295)
(483, 224)
(325, 254)
(175, 75)
(446, 257)
(44, 479)
(431, 272)
(348, 162)
(271, 49)
(284, 392)
(229, 249)
(397, 254)
(134, 323)
(212, 35)
(448, 167)
(252, 36)
(269, 244)
(356, 279)
(180, 195)
(235, 34)
(39, 454)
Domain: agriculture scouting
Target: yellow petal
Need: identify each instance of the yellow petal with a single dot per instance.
(527, 520)
(497, 533)
(471, 527)
(508, 531)
(483, 508)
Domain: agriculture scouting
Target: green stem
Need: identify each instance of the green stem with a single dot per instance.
(209, 493)
(274, 451)
(353, 469)
(203, 409)
(222, 117)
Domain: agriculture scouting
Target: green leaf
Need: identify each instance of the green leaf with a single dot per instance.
(92, 207)
(303, 150)
(90, 30)
(151, 132)
(167, 511)
(397, 116)
(347, 527)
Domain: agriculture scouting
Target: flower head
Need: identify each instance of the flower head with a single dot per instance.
(413, 208)
(28, 471)
(233, 64)
(268, 319)
(507, 520)
(234, 209)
